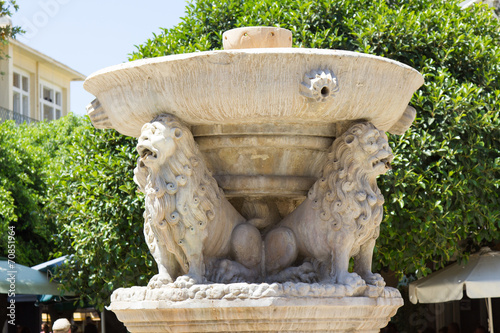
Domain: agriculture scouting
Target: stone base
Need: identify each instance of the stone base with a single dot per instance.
(242, 307)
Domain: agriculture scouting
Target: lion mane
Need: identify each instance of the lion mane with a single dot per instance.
(346, 189)
(179, 190)
(339, 219)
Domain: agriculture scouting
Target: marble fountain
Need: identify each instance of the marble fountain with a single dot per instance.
(259, 164)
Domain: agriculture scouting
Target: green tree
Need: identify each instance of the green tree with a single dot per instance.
(21, 189)
(7, 31)
(94, 201)
(26, 152)
(442, 196)
(67, 188)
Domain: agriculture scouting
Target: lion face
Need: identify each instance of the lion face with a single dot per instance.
(156, 144)
(373, 151)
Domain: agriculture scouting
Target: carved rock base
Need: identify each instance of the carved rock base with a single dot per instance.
(241, 307)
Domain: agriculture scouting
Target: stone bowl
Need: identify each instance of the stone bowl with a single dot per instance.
(254, 86)
(263, 117)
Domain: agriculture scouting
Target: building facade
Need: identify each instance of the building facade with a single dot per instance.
(33, 86)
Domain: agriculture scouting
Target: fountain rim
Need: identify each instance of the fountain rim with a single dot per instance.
(257, 51)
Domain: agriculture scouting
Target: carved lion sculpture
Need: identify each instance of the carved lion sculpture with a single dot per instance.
(339, 219)
(190, 227)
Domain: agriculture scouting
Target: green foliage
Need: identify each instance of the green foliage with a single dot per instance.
(6, 7)
(442, 196)
(7, 31)
(68, 190)
(25, 153)
(21, 189)
(94, 202)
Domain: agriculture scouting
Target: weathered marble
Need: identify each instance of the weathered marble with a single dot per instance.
(256, 37)
(339, 219)
(295, 138)
(190, 227)
(251, 86)
(242, 307)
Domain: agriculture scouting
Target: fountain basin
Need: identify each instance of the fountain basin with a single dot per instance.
(258, 114)
(253, 86)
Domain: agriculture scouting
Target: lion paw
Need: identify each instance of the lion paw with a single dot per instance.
(304, 273)
(228, 271)
(351, 279)
(184, 281)
(159, 280)
(374, 279)
(305, 277)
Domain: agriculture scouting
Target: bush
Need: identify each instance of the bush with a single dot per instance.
(67, 189)
(94, 202)
(26, 152)
(442, 196)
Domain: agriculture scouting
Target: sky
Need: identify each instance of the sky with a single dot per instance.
(88, 35)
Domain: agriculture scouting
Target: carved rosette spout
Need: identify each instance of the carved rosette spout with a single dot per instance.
(319, 85)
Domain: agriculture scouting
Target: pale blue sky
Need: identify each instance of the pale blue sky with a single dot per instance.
(88, 35)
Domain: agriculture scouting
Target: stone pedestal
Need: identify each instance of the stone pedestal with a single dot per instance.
(242, 307)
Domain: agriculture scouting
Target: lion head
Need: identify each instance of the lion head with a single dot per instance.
(348, 189)
(363, 148)
(181, 194)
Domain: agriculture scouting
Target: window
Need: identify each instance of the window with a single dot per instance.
(50, 102)
(21, 93)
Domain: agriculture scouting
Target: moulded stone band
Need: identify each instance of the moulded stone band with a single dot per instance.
(265, 185)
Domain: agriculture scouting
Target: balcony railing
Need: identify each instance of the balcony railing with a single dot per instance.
(6, 114)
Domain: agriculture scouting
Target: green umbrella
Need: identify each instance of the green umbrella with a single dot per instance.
(16, 279)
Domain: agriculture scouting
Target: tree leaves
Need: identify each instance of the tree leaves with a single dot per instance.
(442, 196)
(25, 153)
(68, 189)
(7, 31)
(99, 215)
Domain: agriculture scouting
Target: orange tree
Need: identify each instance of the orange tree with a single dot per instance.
(26, 156)
(442, 195)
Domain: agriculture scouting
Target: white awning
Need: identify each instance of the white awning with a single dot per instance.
(480, 278)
